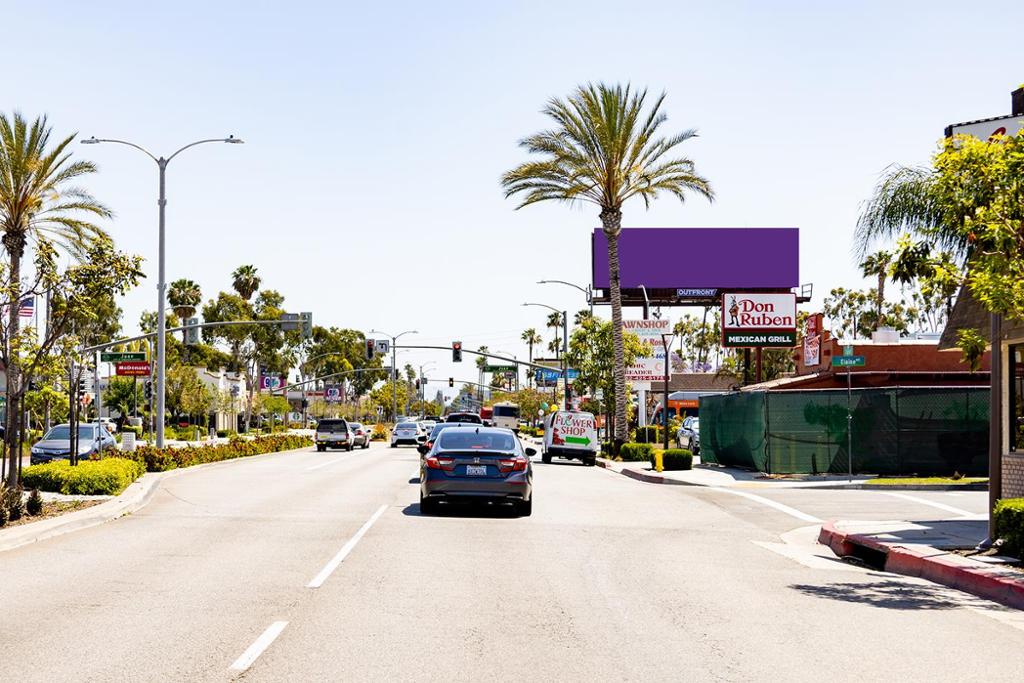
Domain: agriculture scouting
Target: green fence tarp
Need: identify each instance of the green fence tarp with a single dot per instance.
(923, 431)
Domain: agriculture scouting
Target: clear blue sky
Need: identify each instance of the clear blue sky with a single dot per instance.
(368, 189)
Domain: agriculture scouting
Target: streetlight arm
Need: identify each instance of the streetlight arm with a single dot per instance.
(95, 140)
(201, 142)
(563, 282)
(551, 308)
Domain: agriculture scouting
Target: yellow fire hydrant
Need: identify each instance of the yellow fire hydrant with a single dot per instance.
(659, 464)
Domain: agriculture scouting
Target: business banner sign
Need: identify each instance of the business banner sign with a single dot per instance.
(132, 368)
(755, 319)
(650, 366)
(270, 381)
(332, 393)
(647, 370)
(812, 341)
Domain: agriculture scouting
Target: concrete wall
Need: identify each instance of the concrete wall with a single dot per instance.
(1013, 475)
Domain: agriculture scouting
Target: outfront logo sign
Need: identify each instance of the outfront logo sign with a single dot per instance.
(755, 319)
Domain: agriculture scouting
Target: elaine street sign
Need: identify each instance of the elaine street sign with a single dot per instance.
(499, 368)
(753, 319)
(848, 361)
(118, 356)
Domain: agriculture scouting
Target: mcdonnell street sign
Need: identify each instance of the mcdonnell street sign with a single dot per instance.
(752, 319)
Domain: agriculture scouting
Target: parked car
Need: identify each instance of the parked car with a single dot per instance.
(688, 435)
(109, 424)
(334, 433)
(464, 417)
(486, 464)
(407, 433)
(360, 434)
(56, 443)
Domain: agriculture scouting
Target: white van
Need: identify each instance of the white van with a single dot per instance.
(571, 435)
(505, 414)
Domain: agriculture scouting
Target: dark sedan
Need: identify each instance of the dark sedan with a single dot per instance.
(485, 464)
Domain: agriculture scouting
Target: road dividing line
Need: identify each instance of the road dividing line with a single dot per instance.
(792, 512)
(329, 568)
(924, 501)
(258, 646)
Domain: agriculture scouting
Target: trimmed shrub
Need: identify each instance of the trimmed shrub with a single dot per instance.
(14, 503)
(222, 433)
(106, 477)
(34, 504)
(649, 434)
(160, 460)
(380, 433)
(636, 452)
(677, 459)
(1009, 522)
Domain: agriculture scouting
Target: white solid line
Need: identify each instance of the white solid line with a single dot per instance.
(329, 568)
(258, 646)
(792, 512)
(923, 501)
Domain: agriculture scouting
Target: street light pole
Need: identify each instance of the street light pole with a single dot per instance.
(587, 292)
(565, 345)
(394, 368)
(161, 286)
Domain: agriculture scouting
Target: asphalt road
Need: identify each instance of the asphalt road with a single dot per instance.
(309, 566)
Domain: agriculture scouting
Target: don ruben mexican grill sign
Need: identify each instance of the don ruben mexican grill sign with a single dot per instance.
(754, 319)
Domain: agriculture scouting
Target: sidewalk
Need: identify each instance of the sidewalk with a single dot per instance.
(713, 475)
(920, 549)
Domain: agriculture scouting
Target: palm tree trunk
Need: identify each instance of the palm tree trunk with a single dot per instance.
(611, 221)
(14, 243)
(881, 299)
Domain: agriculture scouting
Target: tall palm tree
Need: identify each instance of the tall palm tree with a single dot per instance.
(531, 338)
(39, 200)
(184, 296)
(555, 321)
(245, 281)
(878, 265)
(605, 149)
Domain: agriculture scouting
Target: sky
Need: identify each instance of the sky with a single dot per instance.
(376, 133)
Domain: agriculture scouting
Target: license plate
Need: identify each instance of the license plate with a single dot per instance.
(476, 470)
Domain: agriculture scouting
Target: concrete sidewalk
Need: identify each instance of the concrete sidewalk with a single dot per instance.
(713, 475)
(922, 549)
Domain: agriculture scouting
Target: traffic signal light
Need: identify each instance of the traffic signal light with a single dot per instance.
(306, 320)
(456, 352)
(147, 389)
(192, 331)
(451, 381)
(370, 346)
(417, 385)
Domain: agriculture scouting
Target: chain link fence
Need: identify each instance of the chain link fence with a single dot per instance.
(923, 431)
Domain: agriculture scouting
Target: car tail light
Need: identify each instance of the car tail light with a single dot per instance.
(517, 464)
(436, 463)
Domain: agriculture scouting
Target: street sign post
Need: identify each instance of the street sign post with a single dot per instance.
(848, 360)
(119, 356)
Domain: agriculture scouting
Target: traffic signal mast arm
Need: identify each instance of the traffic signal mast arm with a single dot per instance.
(150, 335)
(477, 353)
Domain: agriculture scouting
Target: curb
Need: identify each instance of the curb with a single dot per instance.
(906, 487)
(931, 564)
(642, 476)
(135, 497)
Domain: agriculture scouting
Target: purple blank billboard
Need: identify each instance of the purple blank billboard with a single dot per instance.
(724, 258)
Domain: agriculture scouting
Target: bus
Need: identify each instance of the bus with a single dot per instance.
(506, 414)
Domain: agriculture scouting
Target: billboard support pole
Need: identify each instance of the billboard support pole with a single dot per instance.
(760, 364)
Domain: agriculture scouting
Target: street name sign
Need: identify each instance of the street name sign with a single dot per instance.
(132, 368)
(848, 361)
(499, 368)
(119, 356)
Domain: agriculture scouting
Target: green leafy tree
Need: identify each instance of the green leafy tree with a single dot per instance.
(386, 395)
(124, 395)
(40, 202)
(604, 149)
(186, 392)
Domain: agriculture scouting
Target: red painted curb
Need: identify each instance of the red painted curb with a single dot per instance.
(937, 566)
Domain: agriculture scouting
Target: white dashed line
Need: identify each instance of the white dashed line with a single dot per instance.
(258, 646)
(329, 568)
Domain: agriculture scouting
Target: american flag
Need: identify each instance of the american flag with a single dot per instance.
(27, 308)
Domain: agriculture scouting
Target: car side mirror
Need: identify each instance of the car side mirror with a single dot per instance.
(422, 448)
(530, 452)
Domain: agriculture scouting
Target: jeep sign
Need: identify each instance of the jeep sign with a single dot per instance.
(751, 320)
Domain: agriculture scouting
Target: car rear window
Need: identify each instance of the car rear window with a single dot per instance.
(465, 439)
(506, 411)
(407, 425)
(464, 417)
(330, 426)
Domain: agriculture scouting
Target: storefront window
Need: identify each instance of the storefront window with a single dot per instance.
(1017, 397)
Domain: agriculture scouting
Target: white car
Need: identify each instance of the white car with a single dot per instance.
(407, 433)
(109, 424)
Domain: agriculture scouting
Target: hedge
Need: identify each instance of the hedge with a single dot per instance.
(636, 452)
(106, 477)
(677, 459)
(1009, 522)
(160, 460)
(649, 434)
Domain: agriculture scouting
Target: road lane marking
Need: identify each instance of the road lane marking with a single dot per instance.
(258, 646)
(924, 501)
(329, 568)
(792, 512)
(325, 464)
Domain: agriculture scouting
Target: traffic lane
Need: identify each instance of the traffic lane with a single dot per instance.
(175, 587)
(613, 579)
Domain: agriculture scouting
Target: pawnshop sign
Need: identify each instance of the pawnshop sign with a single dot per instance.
(754, 319)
